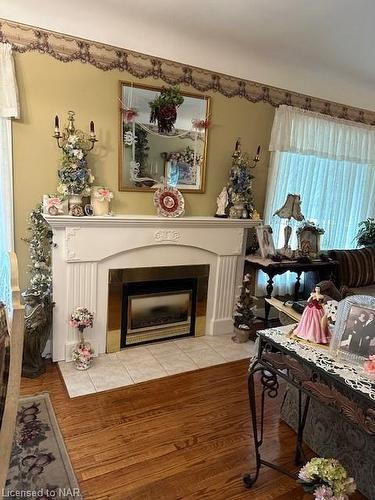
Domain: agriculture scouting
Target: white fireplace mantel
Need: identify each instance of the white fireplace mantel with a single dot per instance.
(86, 248)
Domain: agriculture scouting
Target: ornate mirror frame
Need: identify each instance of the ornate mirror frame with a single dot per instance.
(122, 186)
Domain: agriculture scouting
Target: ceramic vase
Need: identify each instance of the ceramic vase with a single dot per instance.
(241, 335)
(236, 210)
(82, 353)
(82, 362)
(99, 207)
(75, 199)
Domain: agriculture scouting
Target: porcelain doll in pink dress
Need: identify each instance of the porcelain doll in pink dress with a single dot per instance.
(311, 327)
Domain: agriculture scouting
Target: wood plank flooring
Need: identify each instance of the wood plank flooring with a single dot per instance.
(181, 437)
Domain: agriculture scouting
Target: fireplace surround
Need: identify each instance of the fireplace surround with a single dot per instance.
(87, 249)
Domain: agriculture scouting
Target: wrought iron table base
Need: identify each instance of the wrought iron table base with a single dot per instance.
(270, 387)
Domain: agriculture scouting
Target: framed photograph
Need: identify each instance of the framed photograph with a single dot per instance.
(353, 337)
(308, 236)
(265, 240)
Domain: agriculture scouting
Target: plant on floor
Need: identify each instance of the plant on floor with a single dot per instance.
(366, 232)
(38, 295)
(243, 317)
(81, 318)
(326, 478)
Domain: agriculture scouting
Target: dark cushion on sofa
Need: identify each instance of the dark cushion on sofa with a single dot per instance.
(356, 267)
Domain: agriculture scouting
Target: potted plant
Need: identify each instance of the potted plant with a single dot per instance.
(243, 317)
(83, 353)
(164, 109)
(366, 232)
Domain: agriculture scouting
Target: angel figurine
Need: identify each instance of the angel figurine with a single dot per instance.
(311, 326)
(222, 203)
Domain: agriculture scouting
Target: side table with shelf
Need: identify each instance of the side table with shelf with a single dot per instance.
(325, 270)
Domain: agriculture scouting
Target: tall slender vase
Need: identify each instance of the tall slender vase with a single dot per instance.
(81, 358)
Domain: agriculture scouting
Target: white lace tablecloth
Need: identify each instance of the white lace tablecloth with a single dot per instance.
(352, 375)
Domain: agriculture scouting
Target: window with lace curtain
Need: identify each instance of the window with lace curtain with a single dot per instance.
(331, 164)
(6, 208)
(8, 110)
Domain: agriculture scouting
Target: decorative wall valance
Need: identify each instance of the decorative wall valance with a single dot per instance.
(306, 132)
(67, 48)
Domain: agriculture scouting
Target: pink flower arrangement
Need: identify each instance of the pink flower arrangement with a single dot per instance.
(103, 194)
(369, 365)
(201, 124)
(129, 115)
(81, 318)
(83, 354)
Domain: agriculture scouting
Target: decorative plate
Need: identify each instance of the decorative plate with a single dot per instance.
(169, 202)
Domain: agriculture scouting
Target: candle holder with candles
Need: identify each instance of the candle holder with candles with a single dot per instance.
(241, 201)
(75, 177)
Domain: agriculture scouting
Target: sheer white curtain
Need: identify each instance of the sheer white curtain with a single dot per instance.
(9, 109)
(331, 164)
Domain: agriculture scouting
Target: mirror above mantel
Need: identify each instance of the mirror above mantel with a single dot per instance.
(152, 150)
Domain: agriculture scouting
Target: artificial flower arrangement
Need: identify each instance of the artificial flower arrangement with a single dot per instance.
(83, 353)
(164, 108)
(186, 156)
(326, 478)
(240, 185)
(103, 194)
(74, 175)
(369, 366)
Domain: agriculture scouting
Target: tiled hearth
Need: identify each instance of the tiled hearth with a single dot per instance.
(139, 364)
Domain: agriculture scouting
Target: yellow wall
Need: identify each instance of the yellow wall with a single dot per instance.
(49, 87)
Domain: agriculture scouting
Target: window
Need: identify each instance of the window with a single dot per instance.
(329, 162)
(336, 195)
(6, 208)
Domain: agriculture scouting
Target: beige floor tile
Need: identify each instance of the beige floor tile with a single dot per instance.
(176, 362)
(134, 354)
(148, 370)
(206, 357)
(163, 348)
(77, 383)
(192, 344)
(108, 374)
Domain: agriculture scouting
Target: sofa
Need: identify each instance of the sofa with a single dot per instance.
(356, 270)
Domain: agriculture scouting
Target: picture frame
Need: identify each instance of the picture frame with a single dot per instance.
(308, 236)
(142, 162)
(353, 337)
(265, 241)
(180, 173)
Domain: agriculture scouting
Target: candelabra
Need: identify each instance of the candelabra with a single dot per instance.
(244, 159)
(70, 130)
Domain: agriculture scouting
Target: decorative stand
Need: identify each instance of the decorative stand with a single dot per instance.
(315, 374)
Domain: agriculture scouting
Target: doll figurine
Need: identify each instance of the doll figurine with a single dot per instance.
(311, 327)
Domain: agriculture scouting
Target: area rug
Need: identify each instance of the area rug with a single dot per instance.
(39, 465)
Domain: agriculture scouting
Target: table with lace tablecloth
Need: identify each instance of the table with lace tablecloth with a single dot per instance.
(320, 382)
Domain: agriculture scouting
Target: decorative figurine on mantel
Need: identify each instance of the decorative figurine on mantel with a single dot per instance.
(312, 327)
(239, 187)
(222, 203)
(74, 175)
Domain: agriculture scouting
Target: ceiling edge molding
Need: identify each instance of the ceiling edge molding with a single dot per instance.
(66, 48)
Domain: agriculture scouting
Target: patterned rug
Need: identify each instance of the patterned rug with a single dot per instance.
(39, 465)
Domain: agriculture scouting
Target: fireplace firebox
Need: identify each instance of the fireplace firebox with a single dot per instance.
(158, 310)
(156, 303)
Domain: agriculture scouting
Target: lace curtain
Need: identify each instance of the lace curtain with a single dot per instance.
(8, 108)
(311, 157)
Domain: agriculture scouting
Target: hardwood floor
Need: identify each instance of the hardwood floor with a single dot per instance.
(181, 437)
